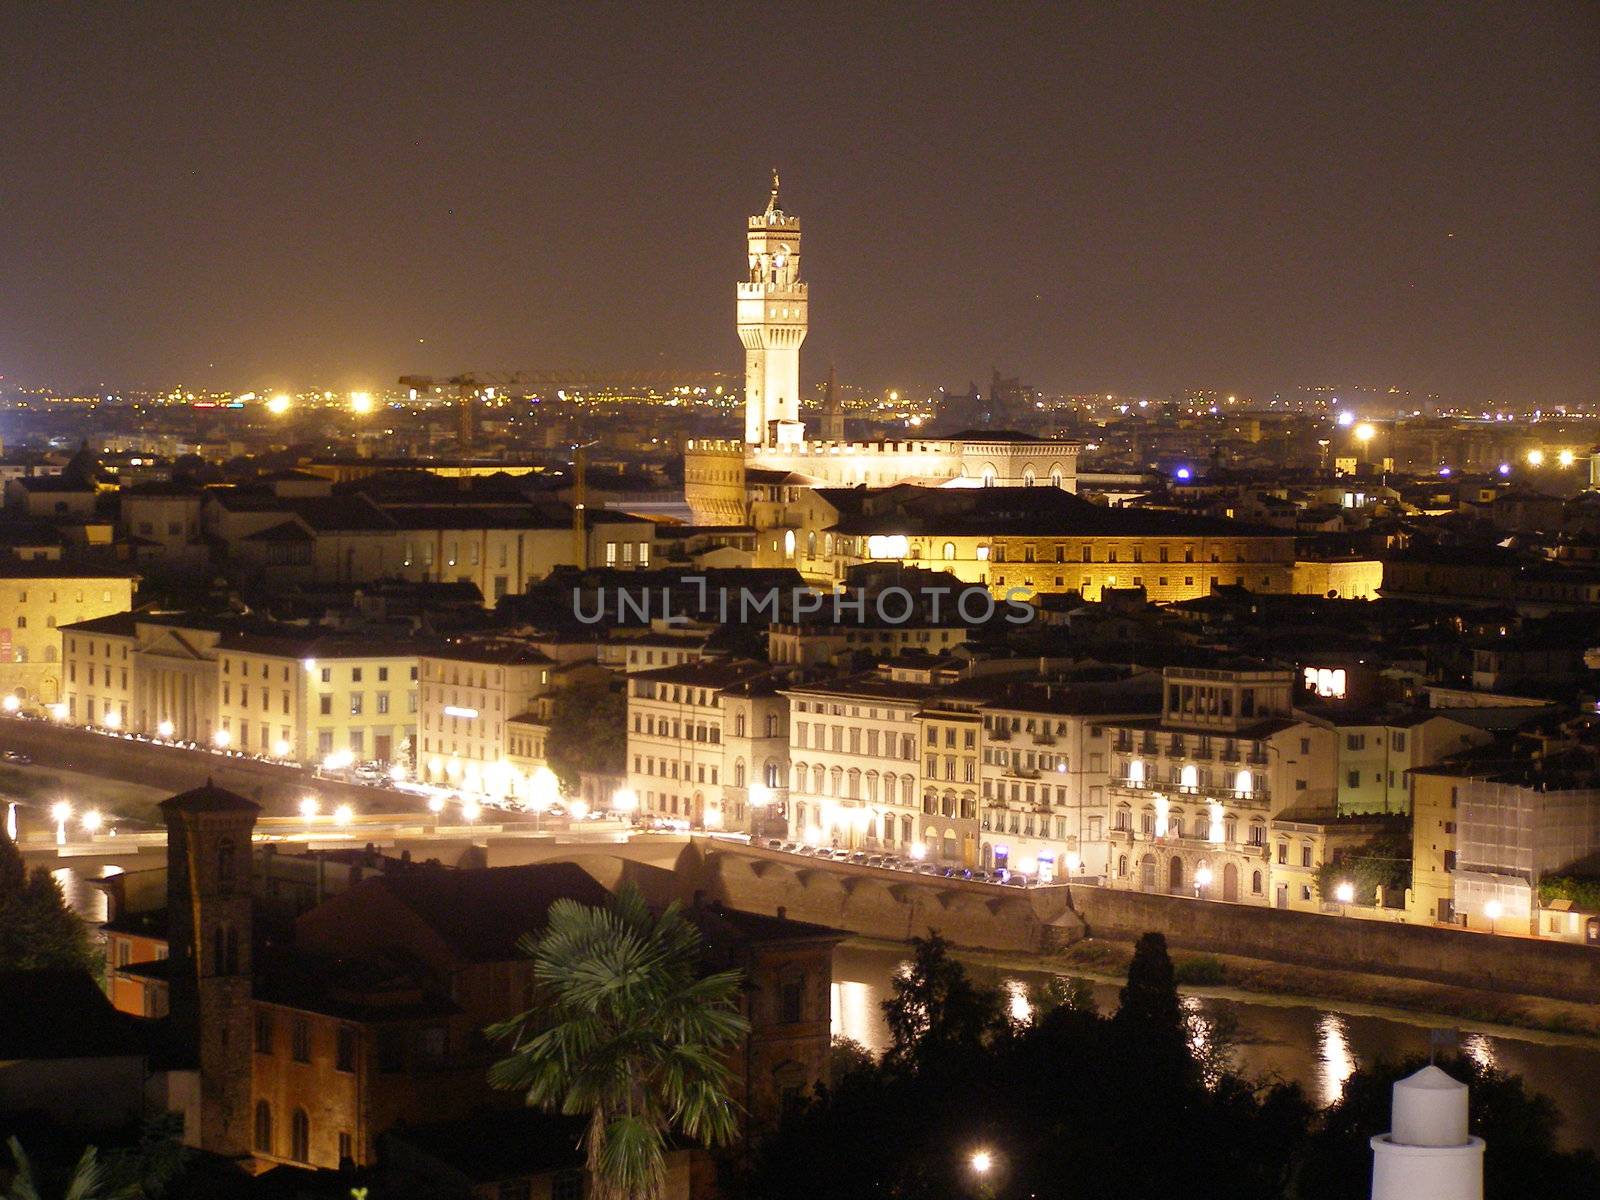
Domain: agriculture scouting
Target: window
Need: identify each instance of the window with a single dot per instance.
(344, 1053)
(1353, 778)
(263, 1138)
(300, 1040)
(346, 1147)
(300, 1136)
(355, 704)
(263, 1031)
(791, 1000)
(1305, 856)
(325, 705)
(1355, 741)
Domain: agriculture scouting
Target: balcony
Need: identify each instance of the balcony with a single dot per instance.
(1123, 745)
(1044, 739)
(1001, 733)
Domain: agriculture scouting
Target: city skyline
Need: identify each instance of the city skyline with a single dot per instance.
(1396, 196)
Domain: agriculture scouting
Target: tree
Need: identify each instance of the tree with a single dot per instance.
(37, 929)
(625, 1031)
(936, 1007)
(1382, 861)
(141, 1172)
(588, 731)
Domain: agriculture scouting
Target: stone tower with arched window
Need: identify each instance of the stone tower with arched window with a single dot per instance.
(209, 968)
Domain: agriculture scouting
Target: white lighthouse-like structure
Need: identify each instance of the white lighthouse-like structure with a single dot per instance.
(1428, 1153)
(772, 325)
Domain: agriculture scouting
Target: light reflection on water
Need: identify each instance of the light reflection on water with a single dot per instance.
(1316, 1047)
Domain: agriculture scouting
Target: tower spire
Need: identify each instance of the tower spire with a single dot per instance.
(772, 200)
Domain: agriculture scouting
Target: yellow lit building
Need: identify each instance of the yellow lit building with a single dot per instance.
(37, 596)
(330, 700)
(470, 690)
(1433, 843)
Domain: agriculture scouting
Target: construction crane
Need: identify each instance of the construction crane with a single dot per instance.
(580, 503)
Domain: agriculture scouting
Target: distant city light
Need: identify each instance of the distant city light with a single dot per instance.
(1536, 458)
(1444, 471)
(279, 404)
(1365, 432)
(1184, 473)
(1505, 468)
(1566, 458)
(1346, 418)
(361, 403)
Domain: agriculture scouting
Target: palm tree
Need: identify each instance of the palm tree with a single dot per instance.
(625, 1031)
(88, 1180)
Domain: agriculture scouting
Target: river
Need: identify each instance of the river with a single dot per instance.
(1305, 1041)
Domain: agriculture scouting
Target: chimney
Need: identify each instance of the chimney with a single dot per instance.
(1428, 1153)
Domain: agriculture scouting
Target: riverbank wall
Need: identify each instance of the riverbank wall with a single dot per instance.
(1037, 921)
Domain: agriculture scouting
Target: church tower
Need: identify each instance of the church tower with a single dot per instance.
(209, 918)
(772, 324)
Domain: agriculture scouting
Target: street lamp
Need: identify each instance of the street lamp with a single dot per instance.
(61, 813)
(221, 739)
(436, 804)
(11, 704)
(1345, 893)
(982, 1164)
(1494, 910)
(165, 729)
(91, 821)
(309, 807)
(1202, 880)
(471, 810)
(624, 801)
(343, 815)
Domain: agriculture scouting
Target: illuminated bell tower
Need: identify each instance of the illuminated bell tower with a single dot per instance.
(772, 324)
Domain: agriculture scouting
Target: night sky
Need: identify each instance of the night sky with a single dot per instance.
(1098, 196)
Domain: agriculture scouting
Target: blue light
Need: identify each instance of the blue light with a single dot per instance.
(1505, 468)
(1183, 472)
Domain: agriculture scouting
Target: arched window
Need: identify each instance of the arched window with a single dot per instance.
(811, 544)
(788, 543)
(1244, 781)
(225, 862)
(1122, 865)
(49, 654)
(738, 773)
(263, 1138)
(949, 551)
(1055, 477)
(300, 1136)
(1255, 882)
(1189, 777)
(771, 772)
(738, 724)
(1027, 477)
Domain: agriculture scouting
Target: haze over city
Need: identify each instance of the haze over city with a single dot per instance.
(1253, 198)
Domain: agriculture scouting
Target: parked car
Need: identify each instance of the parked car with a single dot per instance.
(16, 758)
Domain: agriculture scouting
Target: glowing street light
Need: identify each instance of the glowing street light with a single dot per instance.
(1566, 458)
(919, 851)
(165, 729)
(471, 810)
(58, 712)
(91, 821)
(1494, 910)
(982, 1161)
(309, 807)
(222, 739)
(11, 820)
(1365, 432)
(1536, 458)
(343, 815)
(361, 403)
(626, 800)
(279, 404)
(1345, 893)
(436, 804)
(11, 703)
(579, 809)
(280, 748)
(113, 719)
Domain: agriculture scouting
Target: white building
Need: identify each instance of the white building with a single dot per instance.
(773, 315)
